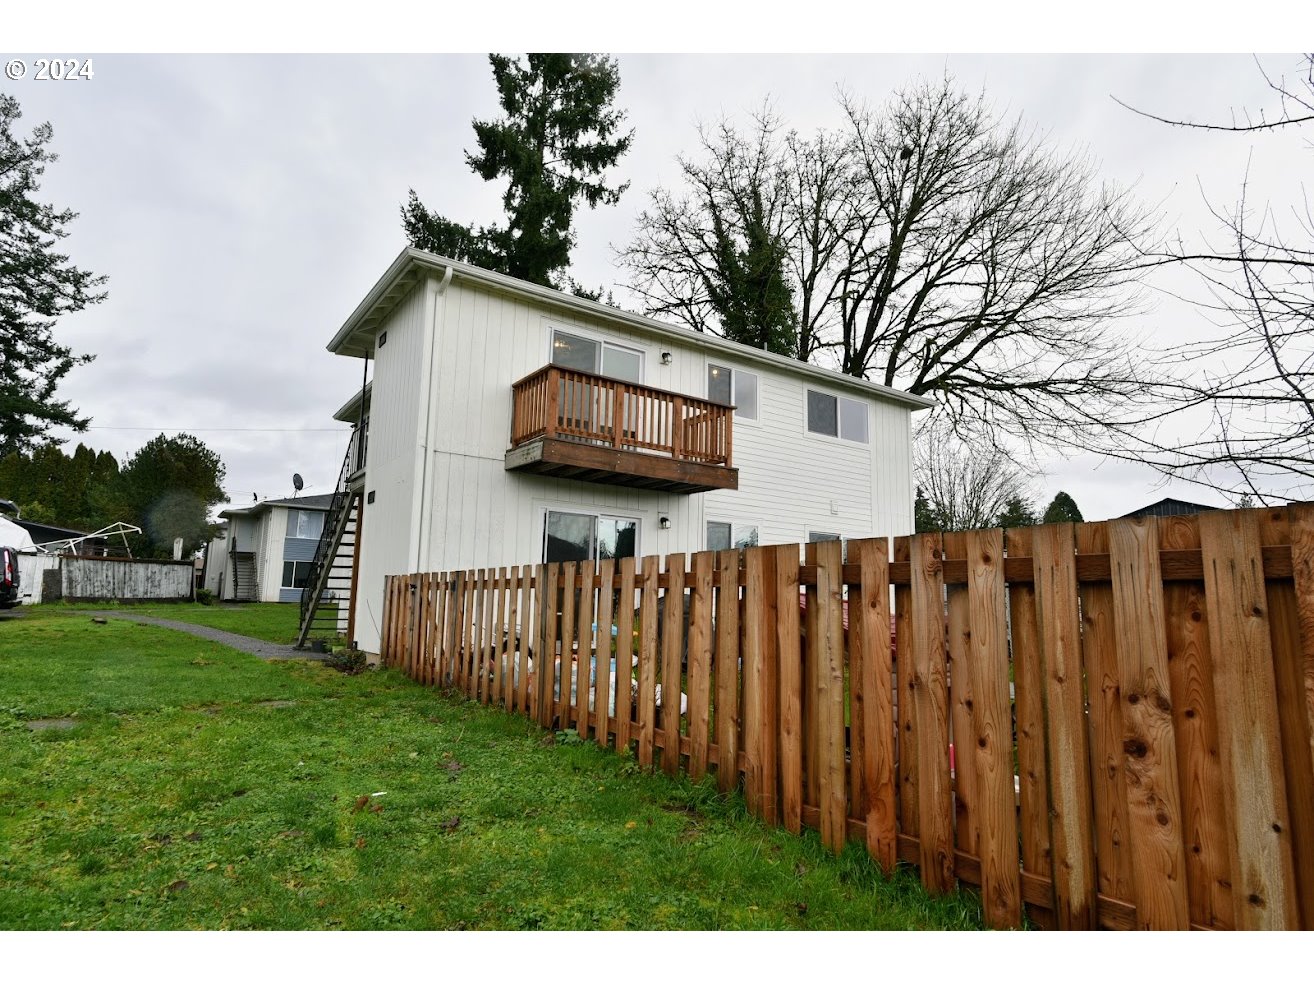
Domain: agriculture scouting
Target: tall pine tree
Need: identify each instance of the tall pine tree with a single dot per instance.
(559, 134)
(38, 284)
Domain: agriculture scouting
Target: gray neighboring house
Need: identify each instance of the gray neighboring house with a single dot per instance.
(265, 550)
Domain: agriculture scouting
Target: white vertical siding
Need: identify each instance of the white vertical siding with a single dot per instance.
(477, 514)
(395, 415)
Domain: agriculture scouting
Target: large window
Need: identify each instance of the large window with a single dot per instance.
(305, 524)
(838, 417)
(295, 574)
(591, 356)
(588, 536)
(733, 386)
(724, 536)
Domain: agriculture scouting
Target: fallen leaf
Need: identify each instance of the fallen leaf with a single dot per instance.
(415, 755)
(451, 824)
(179, 886)
(631, 824)
(802, 909)
(360, 842)
(360, 804)
(229, 871)
(376, 809)
(192, 836)
(212, 866)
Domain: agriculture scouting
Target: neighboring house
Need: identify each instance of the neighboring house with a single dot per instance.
(508, 423)
(265, 551)
(1169, 507)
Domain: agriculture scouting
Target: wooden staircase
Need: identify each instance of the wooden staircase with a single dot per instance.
(328, 596)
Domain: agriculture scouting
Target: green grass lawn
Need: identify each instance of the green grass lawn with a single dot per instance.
(202, 788)
(275, 622)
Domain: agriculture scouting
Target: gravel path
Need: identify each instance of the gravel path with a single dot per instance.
(258, 648)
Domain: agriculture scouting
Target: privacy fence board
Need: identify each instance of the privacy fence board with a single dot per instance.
(1099, 725)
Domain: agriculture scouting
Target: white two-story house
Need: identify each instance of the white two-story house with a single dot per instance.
(508, 423)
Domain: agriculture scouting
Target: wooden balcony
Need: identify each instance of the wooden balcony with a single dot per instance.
(576, 425)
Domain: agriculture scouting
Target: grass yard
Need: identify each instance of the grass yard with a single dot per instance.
(201, 788)
(275, 622)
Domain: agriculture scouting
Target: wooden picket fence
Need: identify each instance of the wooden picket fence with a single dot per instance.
(1109, 724)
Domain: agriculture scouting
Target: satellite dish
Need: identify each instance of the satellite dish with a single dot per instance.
(297, 483)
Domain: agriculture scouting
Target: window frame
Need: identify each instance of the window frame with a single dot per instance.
(735, 372)
(840, 400)
(735, 528)
(298, 513)
(294, 586)
(602, 342)
(596, 516)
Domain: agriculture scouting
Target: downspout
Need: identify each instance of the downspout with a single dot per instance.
(420, 549)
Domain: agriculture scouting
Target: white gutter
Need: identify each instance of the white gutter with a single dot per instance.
(421, 550)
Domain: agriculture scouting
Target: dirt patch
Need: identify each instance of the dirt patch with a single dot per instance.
(276, 704)
(43, 724)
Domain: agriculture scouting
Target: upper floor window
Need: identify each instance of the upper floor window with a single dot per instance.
(305, 524)
(591, 356)
(733, 386)
(839, 417)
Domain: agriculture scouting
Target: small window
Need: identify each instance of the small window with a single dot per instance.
(853, 420)
(295, 574)
(817, 536)
(305, 524)
(733, 386)
(822, 414)
(587, 536)
(838, 417)
(724, 536)
(589, 356)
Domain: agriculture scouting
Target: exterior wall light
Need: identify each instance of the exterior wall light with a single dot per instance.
(666, 359)
(664, 522)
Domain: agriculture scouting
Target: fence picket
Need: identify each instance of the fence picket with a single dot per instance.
(672, 637)
(907, 733)
(1029, 683)
(790, 682)
(605, 620)
(871, 615)
(1154, 809)
(828, 686)
(625, 654)
(700, 660)
(1195, 724)
(935, 808)
(958, 640)
(548, 599)
(584, 654)
(1263, 874)
(648, 660)
(755, 632)
(987, 748)
(1099, 656)
(1060, 639)
(727, 728)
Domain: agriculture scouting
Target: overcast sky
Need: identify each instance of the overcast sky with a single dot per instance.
(243, 205)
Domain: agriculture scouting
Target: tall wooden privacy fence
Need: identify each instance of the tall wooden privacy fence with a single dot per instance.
(1109, 724)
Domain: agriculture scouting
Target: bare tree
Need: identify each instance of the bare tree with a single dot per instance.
(961, 486)
(1255, 382)
(934, 248)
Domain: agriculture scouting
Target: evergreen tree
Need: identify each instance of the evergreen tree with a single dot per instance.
(1062, 509)
(167, 488)
(558, 136)
(925, 517)
(38, 284)
(749, 289)
(1017, 512)
(49, 486)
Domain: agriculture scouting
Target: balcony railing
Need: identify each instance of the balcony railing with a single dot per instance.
(559, 403)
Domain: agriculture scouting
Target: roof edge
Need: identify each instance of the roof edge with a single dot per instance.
(376, 304)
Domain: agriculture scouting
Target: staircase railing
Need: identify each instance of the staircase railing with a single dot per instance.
(335, 525)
